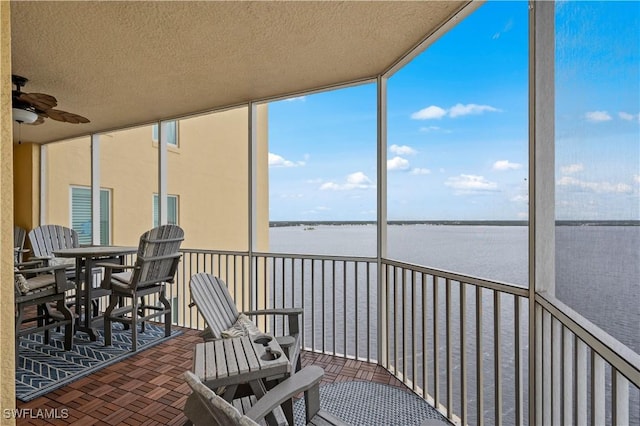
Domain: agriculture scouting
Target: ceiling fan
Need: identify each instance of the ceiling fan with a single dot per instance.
(33, 108)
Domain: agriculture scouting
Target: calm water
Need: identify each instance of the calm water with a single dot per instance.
(597, 268)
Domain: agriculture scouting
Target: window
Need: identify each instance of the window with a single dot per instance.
(81, 214)
(172, 130)
(172, 210)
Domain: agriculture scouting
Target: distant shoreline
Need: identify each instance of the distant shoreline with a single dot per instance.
(276, 224)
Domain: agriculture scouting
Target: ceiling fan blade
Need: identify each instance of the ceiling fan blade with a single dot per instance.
(40, 101)
(67, 117)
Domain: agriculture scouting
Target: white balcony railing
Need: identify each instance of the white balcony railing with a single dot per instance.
(460, 342)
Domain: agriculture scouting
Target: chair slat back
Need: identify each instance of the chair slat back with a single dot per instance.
(158, 256)
(19, 235)
(214, 302)
(45, 239)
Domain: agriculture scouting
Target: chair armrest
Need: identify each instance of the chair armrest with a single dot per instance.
(293, 315)
(108, 265)
(40, 270)
(28, 263)
(108, 271)
(302, 381)
(43, 259)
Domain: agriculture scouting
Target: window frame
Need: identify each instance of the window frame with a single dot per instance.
(108, 213)
(176, 139)
(154, 212)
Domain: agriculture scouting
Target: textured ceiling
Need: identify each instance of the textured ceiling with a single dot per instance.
(125, 63)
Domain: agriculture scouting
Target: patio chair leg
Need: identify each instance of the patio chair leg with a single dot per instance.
(43, 319)
(141, 310)
(134, 324)
(19, 318)
(68, 328)
(167, 314)
(113, 302)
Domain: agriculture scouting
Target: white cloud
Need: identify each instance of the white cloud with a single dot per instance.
(420, 171)
(459, 110)
(397, 163)
(572, 168)
(276, 160)
(506, 29)
(471, 183)
(297, 98)
(597, 116)
(402, 150)
(429, 129)
(629, 117)
(636, 178)
(599, 187)
(357, 180)
(523, 215)
(520, 199)
(429, 113)
(506, 165)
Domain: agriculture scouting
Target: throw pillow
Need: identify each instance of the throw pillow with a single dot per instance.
(68, 261)
(21, 282)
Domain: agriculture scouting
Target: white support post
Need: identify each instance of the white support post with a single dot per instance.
(163, 135)
(252, 199)
(541, 183)
(382, 216)
(43, 185)
(95, 189)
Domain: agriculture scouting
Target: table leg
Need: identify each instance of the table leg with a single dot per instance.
(87, 301)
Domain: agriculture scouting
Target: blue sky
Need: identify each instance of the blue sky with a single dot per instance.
(458, 126)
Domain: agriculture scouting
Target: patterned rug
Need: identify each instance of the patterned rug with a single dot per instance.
(43, 368)
(377, 404)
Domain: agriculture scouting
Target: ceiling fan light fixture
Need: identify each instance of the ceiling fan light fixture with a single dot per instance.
(24, 116)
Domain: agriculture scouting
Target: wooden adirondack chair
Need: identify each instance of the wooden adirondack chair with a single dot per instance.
(211, 295)
(19, 235)
(41, 289)
(156, 265)
(204, 407)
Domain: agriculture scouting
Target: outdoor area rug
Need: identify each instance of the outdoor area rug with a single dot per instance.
(365, 403)
(42, 368)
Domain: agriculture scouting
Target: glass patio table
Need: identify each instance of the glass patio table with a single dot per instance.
(86, 257)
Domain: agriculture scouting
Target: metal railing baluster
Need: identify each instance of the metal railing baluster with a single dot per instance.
(497, 358)
(479, 358)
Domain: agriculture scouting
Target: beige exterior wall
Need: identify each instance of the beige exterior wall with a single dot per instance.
(7, 337)
(207, 171)
(26, 184)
